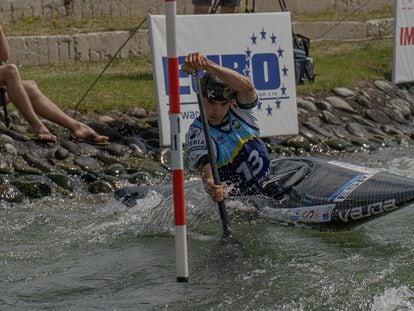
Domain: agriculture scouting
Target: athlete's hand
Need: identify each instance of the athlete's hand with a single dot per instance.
(195, 61)
(217, 192)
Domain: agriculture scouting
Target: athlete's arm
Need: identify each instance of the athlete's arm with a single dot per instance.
(217, 192)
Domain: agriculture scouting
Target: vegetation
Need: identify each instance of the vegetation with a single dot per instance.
(128, 83)
(57, 24)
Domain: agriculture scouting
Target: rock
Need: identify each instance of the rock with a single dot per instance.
(5, 167)
(402, 106)
(390, 130)
(117, 149)
(100, 186)
(10, 193)
(307, 105)
(343, 92)
(115, 169)
(71, 147)
(337, 144)
(23, 168)
(88, 164)
(340, 104)
(32, 186)
(140, 178)
(38, 163)
(70, 168)
(88, 150)
(377, 116)
(395, 115)
(137, 112)
(363, 102)
(330, 118)
(11, 149)
(323, 105)
(386, 87)
(356, 129)
(297, 142)
(62, 181)
(318, 129)
(61, 153)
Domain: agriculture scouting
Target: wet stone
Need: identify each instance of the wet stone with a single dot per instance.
(62, 181)
(5, 167)
(100, 186)
(88, 150)
(140, 178)
(88, 164)
(23, 168)
(117, 149)
(311, 136)
(11, 149)
(70, 168)
(337, 144)
(10, 193)
(38, 163)
(33, 186)
(115, 169)
(61, 153)
(297, 142)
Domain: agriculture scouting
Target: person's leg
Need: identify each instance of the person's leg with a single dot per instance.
(201, 6)
(44, 107)
(10, 77)
(229, 6)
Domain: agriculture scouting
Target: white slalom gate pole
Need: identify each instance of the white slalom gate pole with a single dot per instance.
(176, 145)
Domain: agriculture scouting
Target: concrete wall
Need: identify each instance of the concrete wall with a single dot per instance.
(12, 10)
(100, 47)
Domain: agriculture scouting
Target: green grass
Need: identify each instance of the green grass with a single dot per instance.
(346, 64)
(351, 15)
(129, 83)
(126, 83)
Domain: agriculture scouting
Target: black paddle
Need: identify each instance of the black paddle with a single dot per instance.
(216, 177)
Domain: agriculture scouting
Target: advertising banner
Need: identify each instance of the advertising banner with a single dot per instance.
(403, 64)
(258, 46)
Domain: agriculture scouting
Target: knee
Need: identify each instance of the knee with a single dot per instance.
(30, 86)
(11, 71)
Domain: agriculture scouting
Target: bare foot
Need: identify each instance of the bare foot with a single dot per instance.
(43, 136)
(85, 134)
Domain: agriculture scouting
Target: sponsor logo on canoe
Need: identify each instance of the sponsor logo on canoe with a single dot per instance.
(341, 194)
(308, 214)
(356, 168)
(373, 209)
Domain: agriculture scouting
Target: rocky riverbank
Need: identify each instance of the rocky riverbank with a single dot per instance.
(372, 116)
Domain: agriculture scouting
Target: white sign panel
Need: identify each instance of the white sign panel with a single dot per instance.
(403, 65)
(258, 46)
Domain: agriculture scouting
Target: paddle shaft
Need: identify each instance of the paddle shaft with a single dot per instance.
(216, 177)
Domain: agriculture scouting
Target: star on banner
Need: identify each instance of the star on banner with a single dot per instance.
(263, 34)
(254, 38)
(273, 37)
(269, 110)
(280, 52)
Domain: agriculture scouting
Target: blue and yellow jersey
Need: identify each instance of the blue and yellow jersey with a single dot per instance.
(242, 157)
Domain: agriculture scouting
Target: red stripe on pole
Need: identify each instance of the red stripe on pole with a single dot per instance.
(174, 87)
(179, 207)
